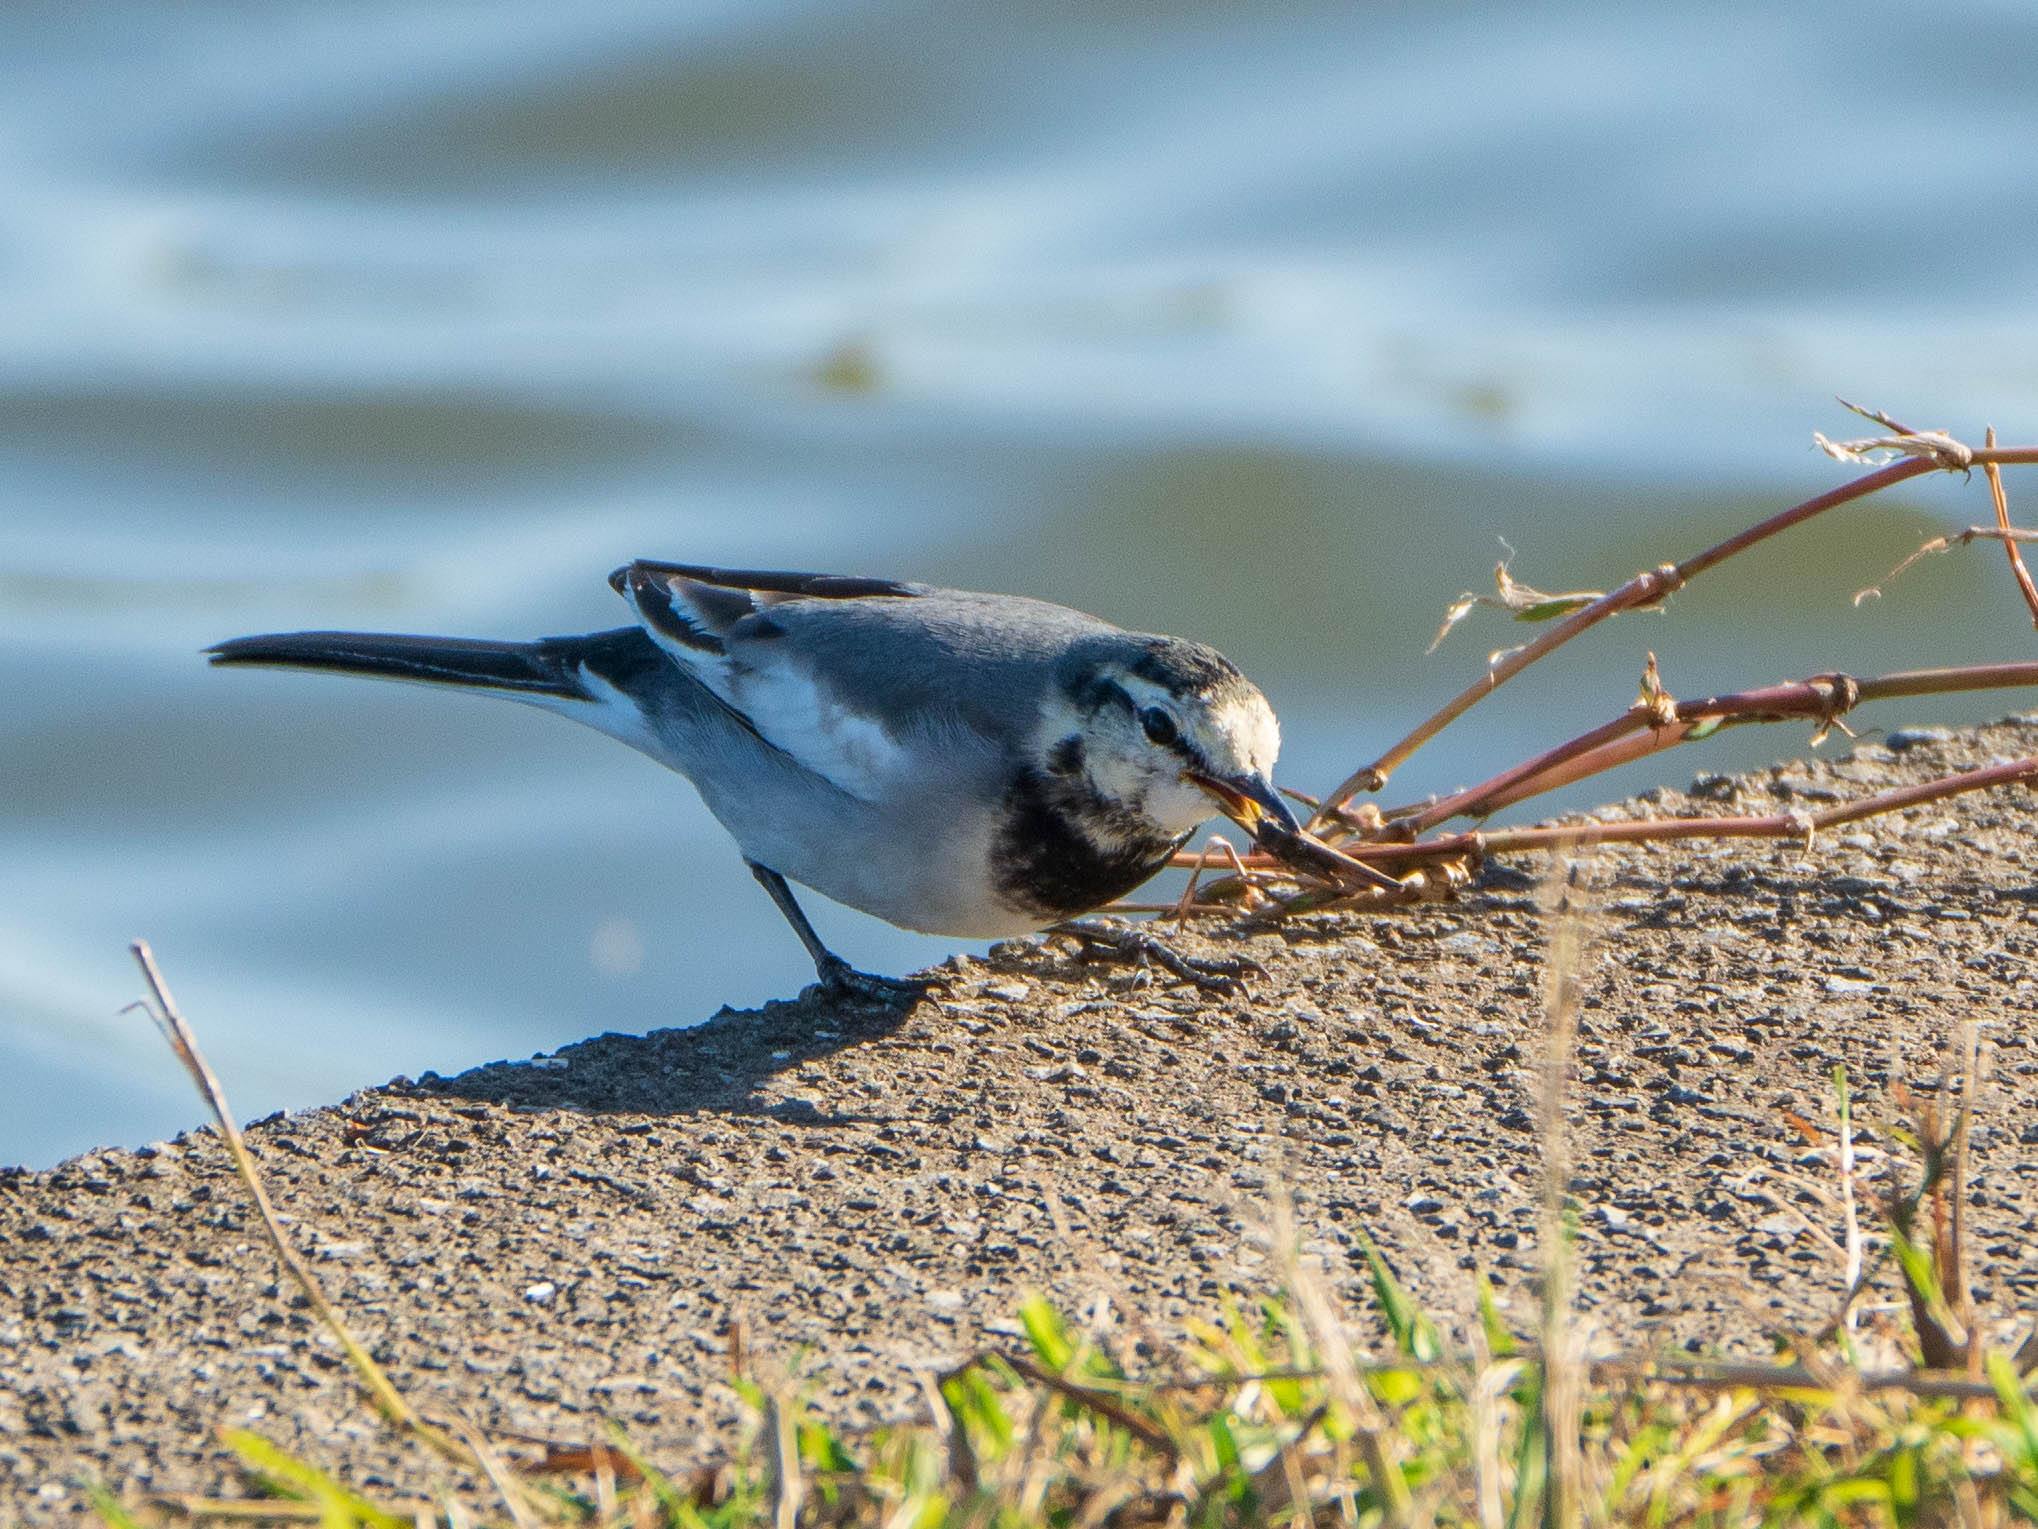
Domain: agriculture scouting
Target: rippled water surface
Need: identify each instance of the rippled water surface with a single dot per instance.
(1260, 323)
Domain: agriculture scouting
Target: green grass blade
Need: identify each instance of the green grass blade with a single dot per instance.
(2018, 1437)
(1414, 1334)
(1500, 1340)
(1047, 1333)
(308, 1483)
(108, 1508)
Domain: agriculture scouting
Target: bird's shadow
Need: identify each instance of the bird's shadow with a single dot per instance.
(717, 1067)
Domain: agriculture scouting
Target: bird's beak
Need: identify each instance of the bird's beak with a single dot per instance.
(1253, 804)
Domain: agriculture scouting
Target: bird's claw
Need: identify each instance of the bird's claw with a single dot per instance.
(841, 980)
(1224, 975)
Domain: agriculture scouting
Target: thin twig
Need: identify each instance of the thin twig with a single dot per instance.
(2009, 536)
(1149, 1434)
(1782, 825)
(1643, 589)
(1646, 589)
(388, 1400)
(1822, 699)
(1188, 897)
(2002, 504)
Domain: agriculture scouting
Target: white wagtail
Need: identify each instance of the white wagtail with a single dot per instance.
(962, 764)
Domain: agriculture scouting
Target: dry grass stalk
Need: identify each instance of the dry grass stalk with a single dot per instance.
(1934, 446)
(782, 1461)
(1562, 1340)
(2009, 536)
(1369, 1429)
(1517, 599)
(493, 1467)
(2002, 503)
(387, 1399)
(1490, 1382)
(1849, 1203)
(1958, 1275)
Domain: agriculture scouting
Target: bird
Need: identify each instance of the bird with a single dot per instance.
(962, 764)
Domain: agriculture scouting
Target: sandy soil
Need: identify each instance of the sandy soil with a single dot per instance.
(544, 1243)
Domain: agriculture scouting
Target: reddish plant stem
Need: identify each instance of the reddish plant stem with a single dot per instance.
(1643, 589)
(1779, 825)
(1823, 698)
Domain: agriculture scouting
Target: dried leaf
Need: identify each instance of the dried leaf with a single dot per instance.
(1659, 703)
(1518, 600)
(1902, 441)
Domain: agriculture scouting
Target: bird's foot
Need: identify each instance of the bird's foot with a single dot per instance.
(841, 980)
(1224, 976)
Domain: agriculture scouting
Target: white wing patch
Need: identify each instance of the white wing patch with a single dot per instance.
(802, 716)
(790, 706)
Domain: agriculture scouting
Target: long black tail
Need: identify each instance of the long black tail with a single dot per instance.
(552, 666)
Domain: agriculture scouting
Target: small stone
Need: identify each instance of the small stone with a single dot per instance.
(1066, 1073)
(1912, 737)
(540, 1293)
(1468, 944)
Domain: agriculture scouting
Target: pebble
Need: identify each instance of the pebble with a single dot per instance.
(1912, 737)
(1468, 944)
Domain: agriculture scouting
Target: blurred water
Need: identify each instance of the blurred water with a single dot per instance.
(1258, 323)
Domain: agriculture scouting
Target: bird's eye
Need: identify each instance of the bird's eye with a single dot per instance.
(1160, 727)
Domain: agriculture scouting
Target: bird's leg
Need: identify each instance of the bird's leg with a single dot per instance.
(1134, 945)
(836, 974)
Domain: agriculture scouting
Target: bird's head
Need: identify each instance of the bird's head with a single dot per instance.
(1167, 731)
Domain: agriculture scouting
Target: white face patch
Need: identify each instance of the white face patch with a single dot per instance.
(1250, 735)
(1238, 735)
(1235, 737)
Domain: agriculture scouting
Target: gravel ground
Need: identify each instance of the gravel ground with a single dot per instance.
(541, 1244)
